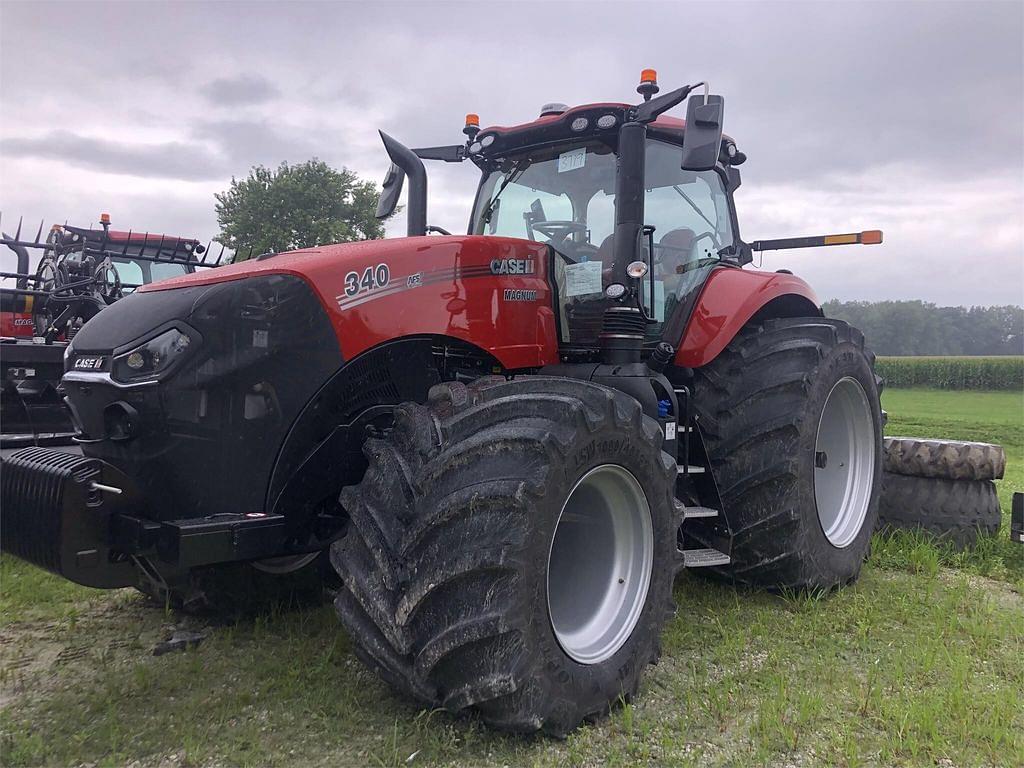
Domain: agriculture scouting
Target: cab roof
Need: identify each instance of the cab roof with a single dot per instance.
(498, 140)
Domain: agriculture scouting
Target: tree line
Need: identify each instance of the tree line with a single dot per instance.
(921, 328)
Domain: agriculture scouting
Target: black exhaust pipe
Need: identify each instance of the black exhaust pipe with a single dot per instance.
(407, 161)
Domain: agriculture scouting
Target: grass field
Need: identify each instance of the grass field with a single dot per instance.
(918, 663)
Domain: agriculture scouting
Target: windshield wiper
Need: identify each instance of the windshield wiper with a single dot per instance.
(515, 173)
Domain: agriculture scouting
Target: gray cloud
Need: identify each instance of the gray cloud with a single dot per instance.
(852, 114)
(176, 160)
(241, 90)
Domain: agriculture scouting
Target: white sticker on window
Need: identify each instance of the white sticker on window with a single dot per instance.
(570, 161)
(670, 431)
(583, 278)
(260, 337)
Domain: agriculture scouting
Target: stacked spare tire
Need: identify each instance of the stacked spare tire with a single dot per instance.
(943, 487)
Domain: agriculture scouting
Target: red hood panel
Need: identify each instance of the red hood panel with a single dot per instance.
(490, 291)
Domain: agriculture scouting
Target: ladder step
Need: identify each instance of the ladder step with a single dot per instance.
(700, 558)
(689, 513)
(693, 469)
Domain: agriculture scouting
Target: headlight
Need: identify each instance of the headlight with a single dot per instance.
(153, 357)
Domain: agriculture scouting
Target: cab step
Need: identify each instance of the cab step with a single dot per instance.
(701, 558)
(690, 513)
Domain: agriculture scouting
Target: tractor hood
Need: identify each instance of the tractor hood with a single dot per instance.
(493, 292)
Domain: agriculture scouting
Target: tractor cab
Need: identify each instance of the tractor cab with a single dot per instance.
(635, 206)
(558, 186)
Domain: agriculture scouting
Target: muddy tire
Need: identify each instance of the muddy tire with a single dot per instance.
(956, 511)
(454, 579)
(948, 459)
(775, 409)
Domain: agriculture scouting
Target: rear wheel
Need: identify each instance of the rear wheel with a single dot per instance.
(512, 551)
(791, 418)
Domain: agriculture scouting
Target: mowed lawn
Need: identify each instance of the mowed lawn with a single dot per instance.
(918, 663)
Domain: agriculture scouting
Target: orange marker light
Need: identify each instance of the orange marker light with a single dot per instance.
(648, 76)
(871, 237)
(473, 120)
(104, 218)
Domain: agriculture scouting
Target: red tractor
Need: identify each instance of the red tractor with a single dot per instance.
(79, 272)
(508, 443)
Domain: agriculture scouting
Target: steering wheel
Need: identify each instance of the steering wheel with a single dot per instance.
(558, 229)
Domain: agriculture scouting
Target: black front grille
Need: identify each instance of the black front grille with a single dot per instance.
(32, 485)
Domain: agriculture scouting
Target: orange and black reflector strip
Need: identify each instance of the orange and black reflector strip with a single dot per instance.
(870, 237)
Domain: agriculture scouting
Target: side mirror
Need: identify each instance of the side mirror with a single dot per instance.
(702, 139)
(392, 190)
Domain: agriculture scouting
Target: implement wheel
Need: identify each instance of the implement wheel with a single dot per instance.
(512, 551)
(791, 418)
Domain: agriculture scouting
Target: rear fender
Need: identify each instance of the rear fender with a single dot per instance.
(730, 299)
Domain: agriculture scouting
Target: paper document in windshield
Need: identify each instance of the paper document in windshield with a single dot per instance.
(583, 278)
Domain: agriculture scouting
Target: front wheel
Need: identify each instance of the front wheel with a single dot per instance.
(792, 422)
(512, 551)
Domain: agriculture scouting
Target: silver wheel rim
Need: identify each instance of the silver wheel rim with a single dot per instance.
(599, 564)
(844, 462)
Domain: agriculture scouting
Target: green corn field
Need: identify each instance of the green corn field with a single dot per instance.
(1006, 373)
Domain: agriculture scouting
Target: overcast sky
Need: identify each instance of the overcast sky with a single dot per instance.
(905, 117)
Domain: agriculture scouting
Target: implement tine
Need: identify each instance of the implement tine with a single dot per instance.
(17, 235)
(159, 248)
(124, 251)
(39, 234)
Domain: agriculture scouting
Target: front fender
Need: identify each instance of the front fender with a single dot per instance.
(728, 301)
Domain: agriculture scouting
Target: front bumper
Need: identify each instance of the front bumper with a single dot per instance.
(62, 512)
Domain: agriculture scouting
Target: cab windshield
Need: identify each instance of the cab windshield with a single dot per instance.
(565, 197)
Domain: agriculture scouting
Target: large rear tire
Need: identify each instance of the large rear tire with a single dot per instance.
(792, 422)
(512, 551)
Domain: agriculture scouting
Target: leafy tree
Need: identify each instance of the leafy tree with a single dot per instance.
(296, 206)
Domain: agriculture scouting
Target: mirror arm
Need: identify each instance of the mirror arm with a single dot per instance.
(453, 153)
(650, 110)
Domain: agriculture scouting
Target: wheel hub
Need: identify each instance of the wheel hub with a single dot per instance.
(599, 564)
